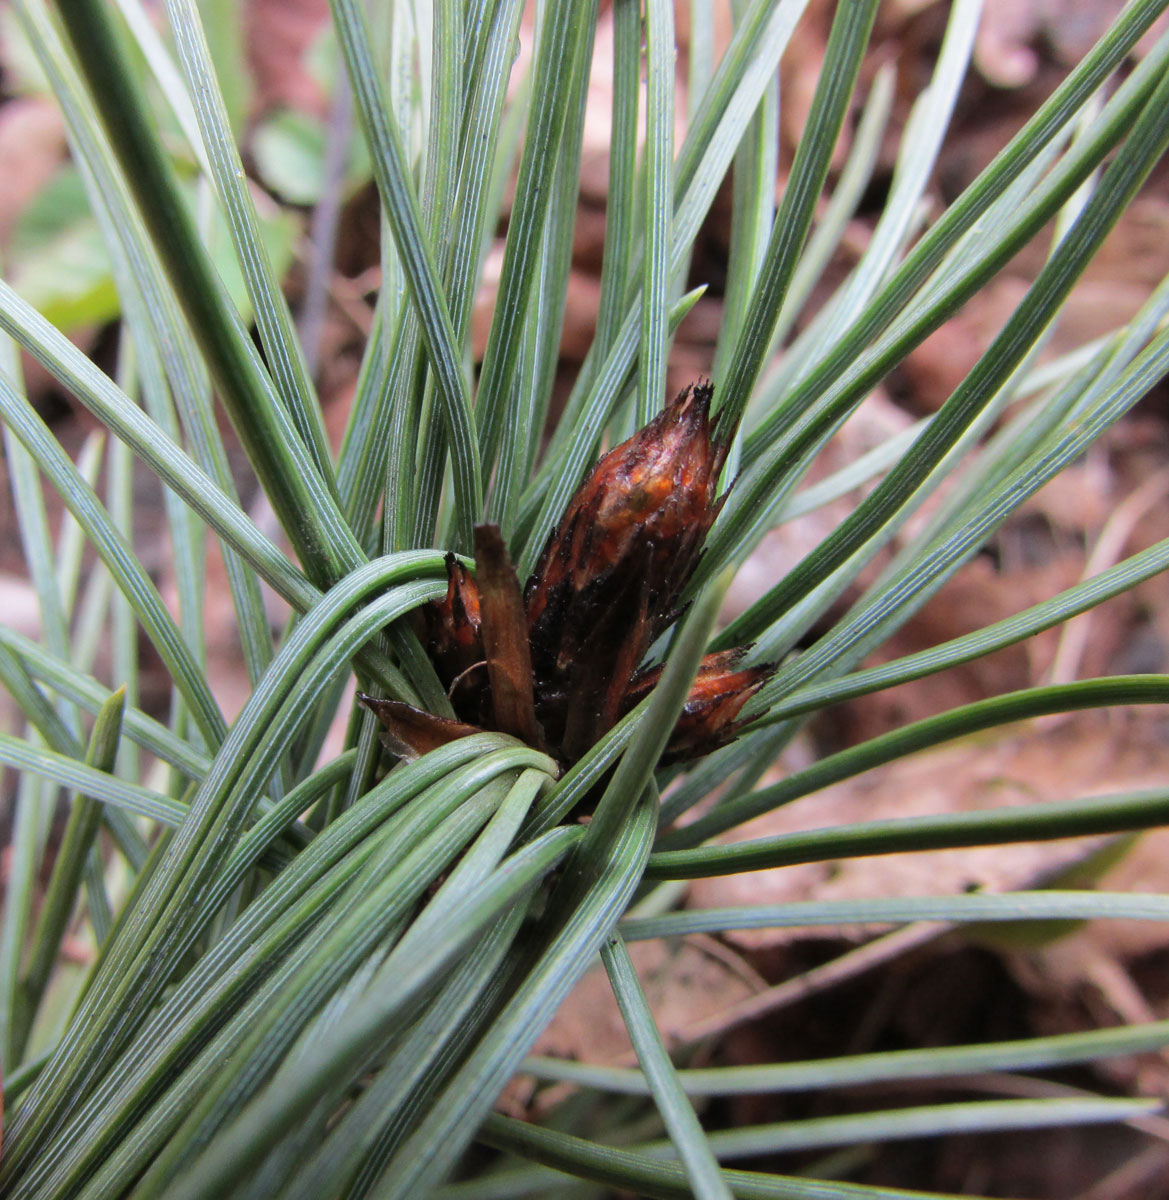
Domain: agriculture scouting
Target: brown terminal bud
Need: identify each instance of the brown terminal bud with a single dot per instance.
(558, 666)
(609, 576)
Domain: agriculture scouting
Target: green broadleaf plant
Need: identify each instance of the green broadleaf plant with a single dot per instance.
(312, 979)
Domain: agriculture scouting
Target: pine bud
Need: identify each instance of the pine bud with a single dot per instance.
(454, 640)
(609, 576)
(709, 718)
(561, 665)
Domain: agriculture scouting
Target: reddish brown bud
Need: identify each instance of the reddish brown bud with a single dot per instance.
(453, 635)
(655, 490)
(709, 717)
(610, 573)
(558, 666)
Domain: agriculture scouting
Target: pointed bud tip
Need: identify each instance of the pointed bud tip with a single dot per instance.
(710, 717)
